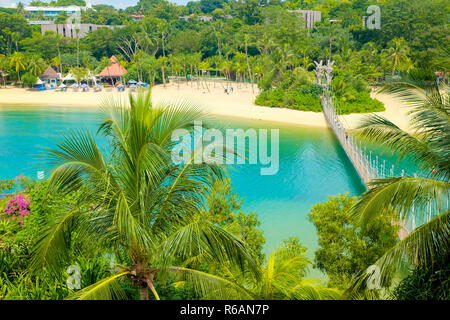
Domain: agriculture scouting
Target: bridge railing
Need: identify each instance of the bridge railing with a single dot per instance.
(369, 166)
(361, 162)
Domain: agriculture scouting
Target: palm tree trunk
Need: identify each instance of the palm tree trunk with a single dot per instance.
(163, 76)
(143, 292)
(395, 64)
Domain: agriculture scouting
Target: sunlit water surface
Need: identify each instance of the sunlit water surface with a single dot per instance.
(311, 166)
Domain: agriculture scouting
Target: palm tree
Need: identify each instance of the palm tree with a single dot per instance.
(137, 203)
(36, 65)
(17, 62)
(282, 278)
(397, 53)
(424, 198)
(246, 39)
(204, 67)
(161, 62)
(79, 73)
(3, 74)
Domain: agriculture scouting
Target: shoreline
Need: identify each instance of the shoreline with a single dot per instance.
(211, 100)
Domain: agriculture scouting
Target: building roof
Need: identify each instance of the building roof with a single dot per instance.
(49, 73)
(53, 9)
(114, 70)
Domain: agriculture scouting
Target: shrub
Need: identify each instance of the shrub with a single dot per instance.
(18, 208)
(305, 98)
(359, 102)
(428, 282)
(302, 101)
(29, 79)
(271, 98)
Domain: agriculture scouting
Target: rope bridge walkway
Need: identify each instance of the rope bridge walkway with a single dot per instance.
(367, 166)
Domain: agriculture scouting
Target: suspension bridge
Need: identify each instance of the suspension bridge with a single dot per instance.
(368, 166)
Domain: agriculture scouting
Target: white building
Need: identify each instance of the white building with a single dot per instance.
(72, 30)
(47, 14)
(52, 11)
(310, 16)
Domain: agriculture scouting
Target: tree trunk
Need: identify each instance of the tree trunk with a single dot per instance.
(163, 76)
(248, 67)
(395, 64)
(143, 292)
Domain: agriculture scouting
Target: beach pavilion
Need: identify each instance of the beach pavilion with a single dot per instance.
(50, 78)
(69, 77)
(112, 73)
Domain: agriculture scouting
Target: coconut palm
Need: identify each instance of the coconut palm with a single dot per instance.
(424, 198)
(161, 63)
(397, 54)
(17, 62)
(36, 65)
(282, 278)
(138, 204)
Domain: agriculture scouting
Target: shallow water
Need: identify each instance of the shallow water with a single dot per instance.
(311, 166)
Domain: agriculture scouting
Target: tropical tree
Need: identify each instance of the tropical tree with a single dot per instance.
(36, 65)
(3, 73)
(17, 62)
(138, 204)
(282, 278)
(79, 73)
(397, 54)
(424, 198)
(161, 63)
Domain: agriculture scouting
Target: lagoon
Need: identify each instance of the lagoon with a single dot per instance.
(312, 165)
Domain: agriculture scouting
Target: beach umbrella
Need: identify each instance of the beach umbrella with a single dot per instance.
(132, 81)
(120, 85)
(97, 85)
(133, 86)
(62, 85)
(75, 85)
(140, 83)
(84, 85)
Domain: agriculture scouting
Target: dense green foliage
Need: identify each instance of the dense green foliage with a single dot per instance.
(422, 198)
(345, 249)
(249, 43)
(246, 41)
(184, 236)
(430, 282)
(285, 276)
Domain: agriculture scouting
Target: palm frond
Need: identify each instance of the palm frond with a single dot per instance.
(420, 197)
(312, 289)
(385, 133)
(200, 237)
(105, 289)
(425, 245)
(50, 251)
(211, 286)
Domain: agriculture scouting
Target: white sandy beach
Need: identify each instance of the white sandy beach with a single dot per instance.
(215, 101)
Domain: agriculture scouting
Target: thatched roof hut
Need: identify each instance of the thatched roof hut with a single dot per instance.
(113, 72)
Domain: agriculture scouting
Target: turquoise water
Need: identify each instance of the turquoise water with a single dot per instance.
(311, 166)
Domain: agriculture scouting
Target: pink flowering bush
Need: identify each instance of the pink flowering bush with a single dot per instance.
(18, 207)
